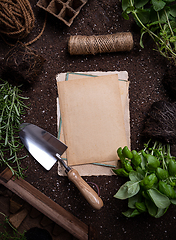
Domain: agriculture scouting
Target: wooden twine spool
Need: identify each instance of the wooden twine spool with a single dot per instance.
(121, 41)
(16, 18)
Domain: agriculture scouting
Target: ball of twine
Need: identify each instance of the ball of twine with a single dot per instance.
(121, 41)
(16, 18)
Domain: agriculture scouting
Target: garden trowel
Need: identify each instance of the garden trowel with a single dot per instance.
(47, 149)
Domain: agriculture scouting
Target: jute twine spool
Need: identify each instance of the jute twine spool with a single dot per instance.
(121, 41)
(16, 18)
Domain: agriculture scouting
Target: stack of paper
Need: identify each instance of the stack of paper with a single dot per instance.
(93, 119)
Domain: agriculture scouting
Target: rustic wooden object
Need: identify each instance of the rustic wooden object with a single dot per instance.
(16, 204)
(17, 218)
(57, 230)
(45, 221)
(45, 205)
(34, 213)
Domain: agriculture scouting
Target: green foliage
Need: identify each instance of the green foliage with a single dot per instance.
(11, 109)
(151, 185)
(158, 19)
(5, 235)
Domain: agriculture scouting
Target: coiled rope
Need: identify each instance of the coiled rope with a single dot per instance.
(17, 19)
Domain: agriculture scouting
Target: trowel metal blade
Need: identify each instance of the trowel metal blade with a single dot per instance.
(42, 145)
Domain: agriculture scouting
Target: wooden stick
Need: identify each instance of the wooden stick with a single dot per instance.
(45, 205)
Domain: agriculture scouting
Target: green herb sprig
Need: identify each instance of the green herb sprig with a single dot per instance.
(151, 185)
(5, 235)
(158, 19)
(11, 109)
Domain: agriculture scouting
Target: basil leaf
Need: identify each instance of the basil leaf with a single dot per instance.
(131, 213)
(151, 207)
(135, 176)
(160, 200)
(141, 207)
(127, 190)
(140, 171)
(133, 200)
(173, 201)
(160, 212)
(144, 161)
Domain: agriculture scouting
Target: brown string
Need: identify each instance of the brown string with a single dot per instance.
(16, 18)
(122, 41)
(40, 34)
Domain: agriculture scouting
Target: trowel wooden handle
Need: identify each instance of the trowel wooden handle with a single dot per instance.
(90, 195)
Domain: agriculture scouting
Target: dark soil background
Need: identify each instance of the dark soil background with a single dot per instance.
(146, 69)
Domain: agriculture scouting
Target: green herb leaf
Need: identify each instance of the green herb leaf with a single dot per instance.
(151, 207)
(125, 16)
(173, 11)
(144, 161)
(141, 207)
(169, 1)
(140, 3)
(135, 176)
(160, 200)
(173, 39)
(132, 200)
(144, 15)
(11, 109)
(127, 190)
(125, 4)
(158, 5)
(160, 212)
(144, 188)
(173, 201)
(131, 213)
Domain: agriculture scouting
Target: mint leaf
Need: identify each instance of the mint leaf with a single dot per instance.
(125, 16)
(173, 11)
(158, 5)
(140, 3)
(125, 4)
(143, 15)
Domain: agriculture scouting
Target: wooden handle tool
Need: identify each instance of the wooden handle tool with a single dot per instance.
(46, 149)
(89, 194)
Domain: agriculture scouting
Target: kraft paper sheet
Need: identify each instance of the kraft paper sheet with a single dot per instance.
(122, 101)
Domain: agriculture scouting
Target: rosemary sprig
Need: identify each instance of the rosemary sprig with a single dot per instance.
(11, 109)
(5, 235)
